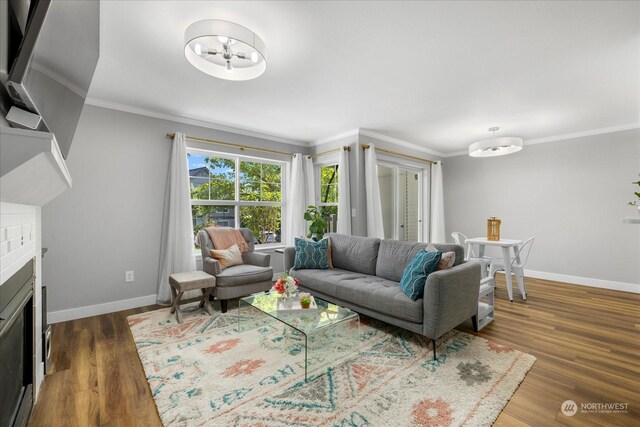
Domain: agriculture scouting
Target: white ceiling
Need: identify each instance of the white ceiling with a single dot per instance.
(435, 74)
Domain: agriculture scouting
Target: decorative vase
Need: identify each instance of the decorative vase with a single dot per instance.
(287, 302)
(288, 299)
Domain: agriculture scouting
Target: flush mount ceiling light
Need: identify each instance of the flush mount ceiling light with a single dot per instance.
(495, 146)
(225, 50)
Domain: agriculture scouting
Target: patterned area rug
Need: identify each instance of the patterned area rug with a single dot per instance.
(205, 372)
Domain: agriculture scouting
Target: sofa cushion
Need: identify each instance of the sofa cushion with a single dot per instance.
(446, 261)
(243, 275)
(380, 295)
(353, 253)
(448, 247)
(322, 280)
(374, 293)
(394, 255)
(310, 254)
(415, 275)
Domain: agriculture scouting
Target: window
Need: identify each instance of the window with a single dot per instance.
(328, 194)
(236, 191)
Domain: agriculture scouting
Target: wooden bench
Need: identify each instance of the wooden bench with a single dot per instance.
(189, 281)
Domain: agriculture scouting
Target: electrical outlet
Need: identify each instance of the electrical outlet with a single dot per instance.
(128, 276)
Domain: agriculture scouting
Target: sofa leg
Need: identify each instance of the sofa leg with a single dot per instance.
(433, 342)
(474, 321)
(223, 305)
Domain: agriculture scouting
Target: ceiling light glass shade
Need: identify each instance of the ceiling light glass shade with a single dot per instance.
(225, 50)
(495, 147)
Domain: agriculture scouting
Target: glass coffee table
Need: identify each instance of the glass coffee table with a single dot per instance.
(327, 334)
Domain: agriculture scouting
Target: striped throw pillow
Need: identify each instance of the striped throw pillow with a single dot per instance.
(416, 273)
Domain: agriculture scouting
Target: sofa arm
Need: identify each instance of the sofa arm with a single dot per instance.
(450, 298)
(289, 256)
(257, 258)
(211, 266)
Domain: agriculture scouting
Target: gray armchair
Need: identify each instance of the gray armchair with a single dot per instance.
(253, 276)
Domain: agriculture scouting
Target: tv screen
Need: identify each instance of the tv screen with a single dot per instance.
(52, 71)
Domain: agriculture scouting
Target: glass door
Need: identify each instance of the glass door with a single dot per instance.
(401, 199)
(408, 190)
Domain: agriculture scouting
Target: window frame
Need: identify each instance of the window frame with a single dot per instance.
(236, 203)
(318, 180)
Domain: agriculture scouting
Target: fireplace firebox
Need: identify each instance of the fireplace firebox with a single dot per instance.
(16, 347)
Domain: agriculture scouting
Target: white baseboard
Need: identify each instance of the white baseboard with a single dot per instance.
(585, 281)
(94, 310)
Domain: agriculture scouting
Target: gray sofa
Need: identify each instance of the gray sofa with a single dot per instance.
(253, 276)
(366, 277)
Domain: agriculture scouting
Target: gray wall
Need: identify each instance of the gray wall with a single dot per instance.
(111, 220)
(570, 194)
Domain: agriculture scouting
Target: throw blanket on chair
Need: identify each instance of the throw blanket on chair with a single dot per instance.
(225, 237)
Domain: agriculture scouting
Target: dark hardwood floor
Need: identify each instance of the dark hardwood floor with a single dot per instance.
(586, 340)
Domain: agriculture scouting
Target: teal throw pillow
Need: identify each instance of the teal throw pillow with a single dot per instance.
(416, 273)
(311, 255)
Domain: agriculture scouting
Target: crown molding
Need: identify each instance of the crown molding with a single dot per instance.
(336, 137)
(581, 134)
(98, 102)
(400, 142)
(457, 153)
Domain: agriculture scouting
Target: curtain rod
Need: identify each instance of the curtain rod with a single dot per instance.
(229, 144)
(312, 156)
(397, 153)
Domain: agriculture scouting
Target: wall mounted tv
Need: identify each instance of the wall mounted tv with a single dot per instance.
(51, 72)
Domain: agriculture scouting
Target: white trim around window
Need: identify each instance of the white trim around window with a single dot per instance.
(236, 203)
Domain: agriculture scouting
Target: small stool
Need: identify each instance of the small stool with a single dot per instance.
(189, 281)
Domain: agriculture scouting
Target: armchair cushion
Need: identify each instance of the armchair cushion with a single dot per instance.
(227, 257)
(243, 275)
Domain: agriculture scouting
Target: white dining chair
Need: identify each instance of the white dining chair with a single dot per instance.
(470, 254)
(517, 266)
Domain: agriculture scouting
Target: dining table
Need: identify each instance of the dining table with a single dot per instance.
(509, 254)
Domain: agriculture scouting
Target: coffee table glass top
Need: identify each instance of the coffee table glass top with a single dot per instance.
(325, 335)
(306, 321)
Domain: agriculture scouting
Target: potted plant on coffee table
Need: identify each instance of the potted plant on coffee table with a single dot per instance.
(305, 301)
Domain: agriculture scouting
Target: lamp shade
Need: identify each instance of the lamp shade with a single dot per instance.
(495, 147)
(225, 50)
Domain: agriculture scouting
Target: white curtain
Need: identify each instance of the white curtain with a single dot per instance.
(375, 227)
(176, 252)
(426, 204)
(437, 205)
(296, 201)
(344, 194)
(310, 181)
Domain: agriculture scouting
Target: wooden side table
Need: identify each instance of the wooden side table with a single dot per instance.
(189, 281)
